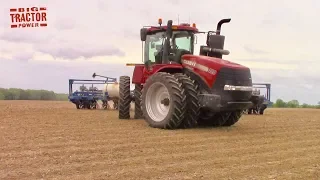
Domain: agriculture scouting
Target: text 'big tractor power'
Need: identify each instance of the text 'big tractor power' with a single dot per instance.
(176, 89)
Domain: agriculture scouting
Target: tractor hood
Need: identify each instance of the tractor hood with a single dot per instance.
(212, 62)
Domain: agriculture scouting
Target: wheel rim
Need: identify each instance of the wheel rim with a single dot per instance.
(157, 102)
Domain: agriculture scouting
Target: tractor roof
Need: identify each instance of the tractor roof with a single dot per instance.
(181, 27)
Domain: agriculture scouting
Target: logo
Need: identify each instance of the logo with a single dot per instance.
(199, 66)
(190, 63)
(28, 17)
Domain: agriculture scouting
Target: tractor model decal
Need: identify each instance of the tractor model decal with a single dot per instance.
(199, 66)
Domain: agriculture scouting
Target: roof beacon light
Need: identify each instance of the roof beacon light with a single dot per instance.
(194, 25)
(160, 21)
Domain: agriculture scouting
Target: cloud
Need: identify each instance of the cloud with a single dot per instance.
(43, 74)
(25, 36)
(65, 24)
(60, 42)
(303, 61)
(254, 50)
(73, 52)
(23, 56)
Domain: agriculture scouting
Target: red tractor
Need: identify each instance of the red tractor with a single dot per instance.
(175, 88)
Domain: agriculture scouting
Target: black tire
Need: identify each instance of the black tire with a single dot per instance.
(91, 105)
(220, 118)
(81, 105)
(137, 102)
(94, 105)
(205, 117)
(262, 108)
(105, 105)
(88, 106)
(177, 104)
(193, 108)
(245, 111)
(217, 119)
(233, 118)
(261, 111)
(124, 97)
(78, 106)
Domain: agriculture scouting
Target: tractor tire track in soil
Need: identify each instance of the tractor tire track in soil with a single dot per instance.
(45, 139)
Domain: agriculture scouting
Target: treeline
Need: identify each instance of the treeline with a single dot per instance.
(293, 104)
(29, 94)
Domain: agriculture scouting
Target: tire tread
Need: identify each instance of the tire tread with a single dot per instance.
(124, 97)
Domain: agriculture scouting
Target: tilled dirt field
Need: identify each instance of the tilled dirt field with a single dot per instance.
(47, 140)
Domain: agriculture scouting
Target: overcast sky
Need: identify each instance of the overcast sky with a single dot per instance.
(278, 40)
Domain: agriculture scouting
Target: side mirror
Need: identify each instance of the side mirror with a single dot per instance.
(143, 34)
(94, 75)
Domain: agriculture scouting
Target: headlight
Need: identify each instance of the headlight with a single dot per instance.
(237, 88)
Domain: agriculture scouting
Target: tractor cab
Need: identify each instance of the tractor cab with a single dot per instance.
(166, 44)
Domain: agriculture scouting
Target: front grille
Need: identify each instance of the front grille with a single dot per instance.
(237, 77)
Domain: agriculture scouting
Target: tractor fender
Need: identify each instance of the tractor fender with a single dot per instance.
(169, 68)
(199, 79)
(138, 74)
(141, 74)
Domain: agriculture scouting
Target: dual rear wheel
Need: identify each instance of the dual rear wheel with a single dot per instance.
(170, 101)
(167, 101)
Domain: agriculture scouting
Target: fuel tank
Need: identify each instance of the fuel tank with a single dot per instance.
(112, 89)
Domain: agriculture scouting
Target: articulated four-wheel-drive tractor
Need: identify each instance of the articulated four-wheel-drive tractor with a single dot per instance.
(175, 88)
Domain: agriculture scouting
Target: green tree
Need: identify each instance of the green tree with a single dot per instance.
(62, 97)
(15, 93)
(318, 106)
(293, 104)
(2, 97)
(29, 94)
(34, 94)
(280, 103)
(24, 94)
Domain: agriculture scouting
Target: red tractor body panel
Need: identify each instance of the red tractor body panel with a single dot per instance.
(140, 73)
(207, 67)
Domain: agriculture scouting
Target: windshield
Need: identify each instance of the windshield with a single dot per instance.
(153, 46)
(181, 40)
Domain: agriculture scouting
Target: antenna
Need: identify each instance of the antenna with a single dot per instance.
(178, 18)
(189, 19)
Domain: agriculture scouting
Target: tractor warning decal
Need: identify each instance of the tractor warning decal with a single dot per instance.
(28, 17)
